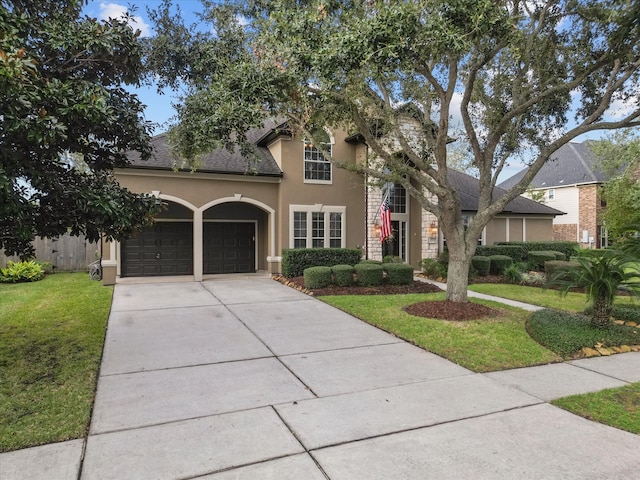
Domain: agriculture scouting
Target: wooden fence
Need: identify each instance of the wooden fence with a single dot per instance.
(65, 253)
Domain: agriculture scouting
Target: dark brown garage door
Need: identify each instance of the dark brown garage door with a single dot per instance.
(229, 247)
(165, 248)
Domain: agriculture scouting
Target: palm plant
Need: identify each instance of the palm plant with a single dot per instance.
(601, 273)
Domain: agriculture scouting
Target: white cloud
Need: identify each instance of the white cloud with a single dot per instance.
(114, 10)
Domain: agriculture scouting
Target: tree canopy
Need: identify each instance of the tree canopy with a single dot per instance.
(524, 77)
(62, 96)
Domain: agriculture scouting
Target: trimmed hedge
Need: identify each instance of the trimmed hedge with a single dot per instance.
(552, 266)
(370, 262)
(317, 277)
(517, 252)
(482, 265)
(399, 273)
(343, 275)
(369, 274)
(568, 248)
(537, 259)
(296, 260)
(499, 263)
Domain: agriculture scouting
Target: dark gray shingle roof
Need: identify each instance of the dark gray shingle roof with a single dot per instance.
(218, 161)
(468, 188)
(573, 163)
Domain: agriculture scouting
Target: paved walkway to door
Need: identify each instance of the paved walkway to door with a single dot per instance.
(249, 379)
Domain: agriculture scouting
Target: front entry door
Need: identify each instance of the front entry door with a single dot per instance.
(397, 245)
(229, 247)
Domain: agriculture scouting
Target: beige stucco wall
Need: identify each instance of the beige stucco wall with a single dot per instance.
(515, 229)
(496, 231)
(519, 228)
(539, 229)
(200, 188)
(346, 188)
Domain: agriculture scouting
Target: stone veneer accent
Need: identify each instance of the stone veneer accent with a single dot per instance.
(429, 247)
(374, 246)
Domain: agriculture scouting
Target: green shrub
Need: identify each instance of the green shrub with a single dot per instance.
(533, 279)
(343, 275)
(25, 271)
(516, 252)
(552, 266)
(369, 274)
(567, 333)
(371, 262)
(432, 268)
(567, 248)
(295, 260)
(392, 259)
(537, 259)
(317, 277)
(499, 263)
(481, 264)
(628, 313)
(399, 273)
(513, 273)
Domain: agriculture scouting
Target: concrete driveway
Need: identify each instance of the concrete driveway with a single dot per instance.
(249, 379)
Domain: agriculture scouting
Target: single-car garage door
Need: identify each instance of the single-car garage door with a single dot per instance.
(229, 247)
(165, 248)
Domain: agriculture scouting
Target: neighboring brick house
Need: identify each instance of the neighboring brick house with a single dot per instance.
(234, 214)
(569, 182)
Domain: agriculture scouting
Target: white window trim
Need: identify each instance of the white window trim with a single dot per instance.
(551, 194)
(304, 161)
(318, 208)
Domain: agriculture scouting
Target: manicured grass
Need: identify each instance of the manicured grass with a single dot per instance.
(480, 345)
(573, 302)
(51, 337)
(618, 407)
(567, 333)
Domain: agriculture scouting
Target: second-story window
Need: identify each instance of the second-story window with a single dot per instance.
(551, 194)
(316, 167)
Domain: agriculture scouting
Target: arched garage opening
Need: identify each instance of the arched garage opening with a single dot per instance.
(234, 238)
(162, 249)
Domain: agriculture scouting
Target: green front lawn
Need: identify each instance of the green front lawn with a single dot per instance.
(573, 302)
(617, 407)
(482, 345)
(51, 337)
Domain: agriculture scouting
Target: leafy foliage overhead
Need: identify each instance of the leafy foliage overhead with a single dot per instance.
(62, 97)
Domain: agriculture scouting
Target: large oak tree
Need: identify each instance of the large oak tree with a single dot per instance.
(526, 77)
(62, 97)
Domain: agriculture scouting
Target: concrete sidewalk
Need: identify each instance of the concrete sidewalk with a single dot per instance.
(249, 379)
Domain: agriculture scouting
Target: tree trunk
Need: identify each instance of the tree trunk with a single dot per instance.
(458, 279)
(601, 313)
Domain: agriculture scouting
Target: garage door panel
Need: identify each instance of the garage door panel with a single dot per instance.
(229, 247)
(162, 249)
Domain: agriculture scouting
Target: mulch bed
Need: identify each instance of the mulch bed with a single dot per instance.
(446, 310)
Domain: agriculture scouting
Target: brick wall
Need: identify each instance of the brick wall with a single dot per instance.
(588, 214)
(565, 232)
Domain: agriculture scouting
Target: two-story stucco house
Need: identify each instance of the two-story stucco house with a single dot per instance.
(569, 181)
(236, 214)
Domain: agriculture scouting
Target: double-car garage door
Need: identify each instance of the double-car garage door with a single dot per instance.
(166, 248)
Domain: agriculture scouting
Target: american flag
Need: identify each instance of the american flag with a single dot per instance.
(385, 219)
